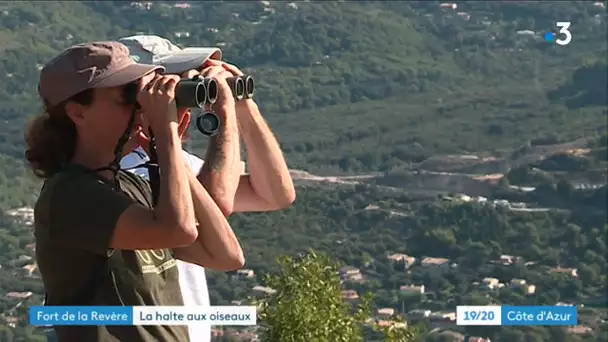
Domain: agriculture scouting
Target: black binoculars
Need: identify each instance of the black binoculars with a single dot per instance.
(198, 91)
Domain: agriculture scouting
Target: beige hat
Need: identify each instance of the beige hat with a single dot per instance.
(152, 49)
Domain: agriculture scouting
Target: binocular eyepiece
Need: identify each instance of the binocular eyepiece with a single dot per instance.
(198, 91)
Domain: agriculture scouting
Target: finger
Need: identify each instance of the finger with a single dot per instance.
(212, 62)
(143, 138)
(161, 85)
(152, 85)
(184, 122)
(190, 73)
(212, 71)
(232, 69)
(144, 81)
(144, 141)
(149, 85)
(226, 74)
(168, 84)
(222, 77)
(164, 84)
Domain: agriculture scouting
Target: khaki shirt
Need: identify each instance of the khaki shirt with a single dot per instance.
(75, 217)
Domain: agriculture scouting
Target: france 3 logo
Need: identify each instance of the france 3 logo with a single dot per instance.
(563, 36)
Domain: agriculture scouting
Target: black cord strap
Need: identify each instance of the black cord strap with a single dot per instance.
(153, 169)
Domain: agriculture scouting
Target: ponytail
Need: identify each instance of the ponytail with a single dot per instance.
(51, 138)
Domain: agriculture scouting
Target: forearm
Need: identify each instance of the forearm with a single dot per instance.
(216, 247)
(269, 175)
(174, 199)
(221, 172)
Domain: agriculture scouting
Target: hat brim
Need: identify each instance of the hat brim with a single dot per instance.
(189, 58)
(126, 75)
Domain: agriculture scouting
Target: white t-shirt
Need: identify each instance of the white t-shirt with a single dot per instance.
(192, 279)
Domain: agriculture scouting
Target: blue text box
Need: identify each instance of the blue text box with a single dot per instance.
(539, 315)
(81, 315)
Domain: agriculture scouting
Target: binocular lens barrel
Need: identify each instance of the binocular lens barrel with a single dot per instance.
(212, 91)
(249, 87)
(191, 94)
(198, 91)
(237, 85)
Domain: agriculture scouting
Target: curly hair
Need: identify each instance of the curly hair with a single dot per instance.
(51, 137)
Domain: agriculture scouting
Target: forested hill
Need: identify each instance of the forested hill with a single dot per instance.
(358, 86)
(453, 133)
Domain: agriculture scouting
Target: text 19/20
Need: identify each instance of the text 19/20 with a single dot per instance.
(478, 315)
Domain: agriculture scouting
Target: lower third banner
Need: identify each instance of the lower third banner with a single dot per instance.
(142, 315)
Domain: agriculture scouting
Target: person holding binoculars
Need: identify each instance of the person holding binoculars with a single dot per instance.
(267, 187)
(101, 236)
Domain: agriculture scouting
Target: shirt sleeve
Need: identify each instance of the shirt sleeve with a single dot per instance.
(84, 213)
(195, 163)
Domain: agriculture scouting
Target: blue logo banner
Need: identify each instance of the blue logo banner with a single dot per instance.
(81, 315)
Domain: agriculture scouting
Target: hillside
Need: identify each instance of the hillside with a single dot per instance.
(440, 74)
(414, 130)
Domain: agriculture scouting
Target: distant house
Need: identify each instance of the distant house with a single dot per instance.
(352, 274)
(263, 290)
(448, 5)
(440, 264)
(19, 295)
(349, 270)
(350, 294)
(28, 270)
(23, 214)
(479, 339)
(182, 5)
(450, 335)
(386, 312)
(11, 321)
(372, 207)
(442, 320)
(217, 332)
(443, 316)
(418, 314)
(388, 324)
(580, 330)
(246, 273)
(21, 261)
(407, 260)
(491, 283)
(464, 15)
(573, 272)
(564, 304)
(521, 284)
(507, 259)
(412, 289)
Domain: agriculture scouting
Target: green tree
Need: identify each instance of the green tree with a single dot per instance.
(308, 305)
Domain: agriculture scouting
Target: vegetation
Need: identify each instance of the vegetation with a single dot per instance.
(308, 305)
(422, 100)
(434, 83)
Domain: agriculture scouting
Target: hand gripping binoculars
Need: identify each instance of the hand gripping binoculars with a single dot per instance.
(199, 91)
